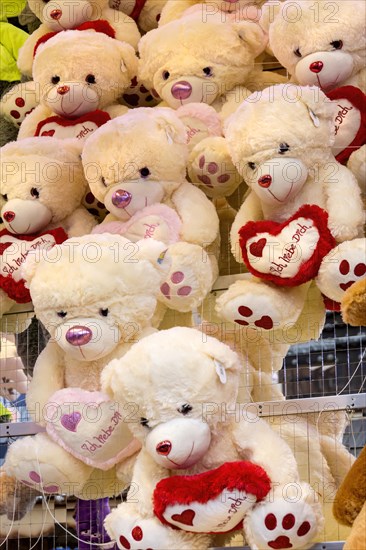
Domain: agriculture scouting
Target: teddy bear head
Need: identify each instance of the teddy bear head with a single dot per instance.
(175, 421)
(136, 160)
(42, 183)
(80, 71)
(59, 15)
(93, 292)
(320, 44)
(278, 136)
(184, 64)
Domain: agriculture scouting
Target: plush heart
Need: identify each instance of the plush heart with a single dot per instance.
(13, 252)
(349, 121)
(80, 128)
(201, 121)
(90, 427)
(289, 253)
(212, 502)
(158, 222)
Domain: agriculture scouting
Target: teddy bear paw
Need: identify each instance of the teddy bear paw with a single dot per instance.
(278, 525)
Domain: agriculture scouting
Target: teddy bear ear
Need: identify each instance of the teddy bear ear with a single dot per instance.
(172, 126)
(29, 267)
(253, 36)
(128, 59)
(224, 358)
(318, 105)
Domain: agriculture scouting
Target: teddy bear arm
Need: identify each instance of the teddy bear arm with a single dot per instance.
(250, 210)
(25, 56)
(116, 110)
(124, 26)
(198, 214)
(174, 9)
(48, 377)
(344, 203)
(79, 223)
(29, 125)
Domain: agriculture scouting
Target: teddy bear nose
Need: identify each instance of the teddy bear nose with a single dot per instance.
(9, 216)
(181, 90)
(265, 181)
(79, 335)
(56, 14)
(121, 198)
(316, 67)
(62, 90)
(164, 448)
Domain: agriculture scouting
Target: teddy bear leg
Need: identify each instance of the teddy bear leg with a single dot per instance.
(258, 305)
(210, 166)
(130, 531)
(42, 465)
(190, 277)
(290, 518)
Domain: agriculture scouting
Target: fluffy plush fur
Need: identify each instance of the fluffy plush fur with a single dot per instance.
(229, 11)
(353, 304)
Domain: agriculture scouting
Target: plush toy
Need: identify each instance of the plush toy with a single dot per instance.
(292, 216)
(96, 295)
(321, 44)
(353, 304)
(136, 165)
(145, 12)
(60, 15)
(16, 499)
(79, 86)
(229, 10)
(42, 185)
(350, 504)
(182, 63)
(202, 471)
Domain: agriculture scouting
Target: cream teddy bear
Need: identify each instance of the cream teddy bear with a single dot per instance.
(184, 65)
(96, 295)
(146, 13)
(296, 188)
(42, 186)
(61, 15)
(79, 87)
(136, 165)
(229, 10)
(203, 469)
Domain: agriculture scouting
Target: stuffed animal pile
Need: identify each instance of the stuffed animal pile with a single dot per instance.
(142, 123)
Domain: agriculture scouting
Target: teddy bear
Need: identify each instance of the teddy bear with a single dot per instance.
(353, 304)
(148, 197)
(96, 295)
(79, 91)
(146, 13)
(182, 63)
(228, 10)
(34, 212)
(202, 471)
(321, 44)
(61, 15)
(293, 205)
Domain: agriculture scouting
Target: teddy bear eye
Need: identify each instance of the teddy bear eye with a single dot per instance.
(144, 172)
(337, 44)
(55, 79)
(251, 165)
(208, 71)
(298, 53)
(144, 422)
(90, 79)
(34, 192)
(166, 75)
(5, 197)
(61, 314)
(185, 409)
(104, 312)
(283, 148)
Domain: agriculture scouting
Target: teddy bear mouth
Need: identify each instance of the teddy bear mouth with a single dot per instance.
(185, 463)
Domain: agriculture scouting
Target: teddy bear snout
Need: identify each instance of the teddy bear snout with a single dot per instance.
(121, 198)
(79, 335)
(9, 216)
(181, 90)
(62, 90)
(164, 448)
(316, 66)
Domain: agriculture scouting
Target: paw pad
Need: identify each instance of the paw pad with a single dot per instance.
(176, 279)
(36, 478)
(288, 523)
(212, 168)
(265, 322)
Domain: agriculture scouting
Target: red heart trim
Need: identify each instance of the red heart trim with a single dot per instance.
(256, 249)
(186, 517)
(358, 100)
(308, 269)
(97, 117)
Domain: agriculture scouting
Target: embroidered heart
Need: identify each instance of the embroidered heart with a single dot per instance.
(289, 253)
(264, 322)
(186, 517)
(48, 133)
(345, 286)
(95, 431)
(256, 249)
(215, 501)
(71, 421)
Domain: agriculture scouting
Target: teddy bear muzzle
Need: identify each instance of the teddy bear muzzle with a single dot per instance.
(72, 99)
(128, 197)
(279, 179)
(67, 15)
(324, 69)
(189, 89)
(179, 443)
(25, 217)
